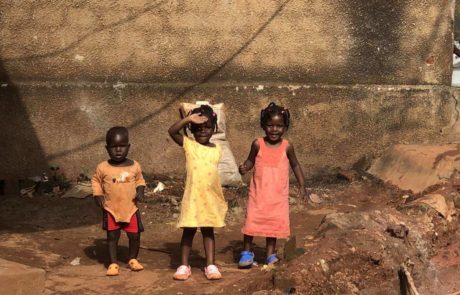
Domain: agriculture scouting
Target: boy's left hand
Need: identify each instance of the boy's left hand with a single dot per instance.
(139, 197)
(139, 194)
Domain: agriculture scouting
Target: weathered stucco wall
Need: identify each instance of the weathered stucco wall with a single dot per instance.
(332, 42)
(357, 75)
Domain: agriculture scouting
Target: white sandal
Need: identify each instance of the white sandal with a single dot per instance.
(183, 272)
(212, 272)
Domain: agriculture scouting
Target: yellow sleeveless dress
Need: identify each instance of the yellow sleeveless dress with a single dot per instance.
(203, 203)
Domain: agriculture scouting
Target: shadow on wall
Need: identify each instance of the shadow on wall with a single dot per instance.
(375, 30)
(207, 77)
(22, 154)
(377, 54)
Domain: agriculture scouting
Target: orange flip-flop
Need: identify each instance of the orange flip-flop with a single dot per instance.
(113, 270)
(134, 265)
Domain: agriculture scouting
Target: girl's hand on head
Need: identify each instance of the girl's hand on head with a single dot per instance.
(198, 118)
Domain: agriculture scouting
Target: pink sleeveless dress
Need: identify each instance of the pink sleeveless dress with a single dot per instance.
(267, 212)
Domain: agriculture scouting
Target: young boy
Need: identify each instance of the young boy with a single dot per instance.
(117, 187)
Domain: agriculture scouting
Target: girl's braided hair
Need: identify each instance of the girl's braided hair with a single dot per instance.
(204, 110)
(272, 110)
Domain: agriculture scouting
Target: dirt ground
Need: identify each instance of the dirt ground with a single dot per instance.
(343, 245)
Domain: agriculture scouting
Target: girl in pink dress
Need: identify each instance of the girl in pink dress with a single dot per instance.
(268, 204)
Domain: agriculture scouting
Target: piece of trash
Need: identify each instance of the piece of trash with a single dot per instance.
(160, 186)
(314, 198)
(79, 191)
(35, 178)
(268, 267)
(44, 177)
(324, 265)
(75, 261)
(255, 263)
(28, 192)
(79, 57)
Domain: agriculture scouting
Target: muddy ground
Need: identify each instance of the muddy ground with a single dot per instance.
(344, 244)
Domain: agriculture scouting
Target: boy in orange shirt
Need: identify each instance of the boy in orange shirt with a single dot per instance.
(117, 186)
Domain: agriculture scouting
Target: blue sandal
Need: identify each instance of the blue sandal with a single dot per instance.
(272, 259)
(246, 259)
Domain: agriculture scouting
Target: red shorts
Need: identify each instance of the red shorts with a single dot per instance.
(133, 226)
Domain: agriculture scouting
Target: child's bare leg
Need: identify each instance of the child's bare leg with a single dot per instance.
(112, 244)
(209, 244)
(186, 243)
(134, 244)
(247, 242)
(271, 246)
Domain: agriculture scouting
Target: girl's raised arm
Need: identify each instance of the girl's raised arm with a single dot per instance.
(174, 130)
(295, 166)
(249, 163)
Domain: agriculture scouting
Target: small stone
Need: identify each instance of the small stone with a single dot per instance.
(314, 198)
(174, 201)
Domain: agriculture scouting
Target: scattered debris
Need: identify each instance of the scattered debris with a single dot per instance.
(79, 191)
(324, 265)
(27, 192)
(268, 267)
(75, 261)
(160, 187)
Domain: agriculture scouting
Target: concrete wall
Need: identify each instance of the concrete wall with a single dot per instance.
(357, 75)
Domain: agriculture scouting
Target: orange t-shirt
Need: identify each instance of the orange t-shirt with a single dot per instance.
(118, 186)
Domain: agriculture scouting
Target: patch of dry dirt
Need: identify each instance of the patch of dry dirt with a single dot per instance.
(347, 248)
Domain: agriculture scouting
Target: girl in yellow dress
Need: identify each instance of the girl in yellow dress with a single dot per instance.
(203, 203)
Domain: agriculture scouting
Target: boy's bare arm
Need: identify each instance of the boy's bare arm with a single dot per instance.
(249, 163)
(139, 193)
(99, 201)
(297, 169)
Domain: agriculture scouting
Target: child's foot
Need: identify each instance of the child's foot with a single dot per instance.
(272, 259)
(183, 272)
(246, 259)
(212, 272)
(134, 265)
(113, 269)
